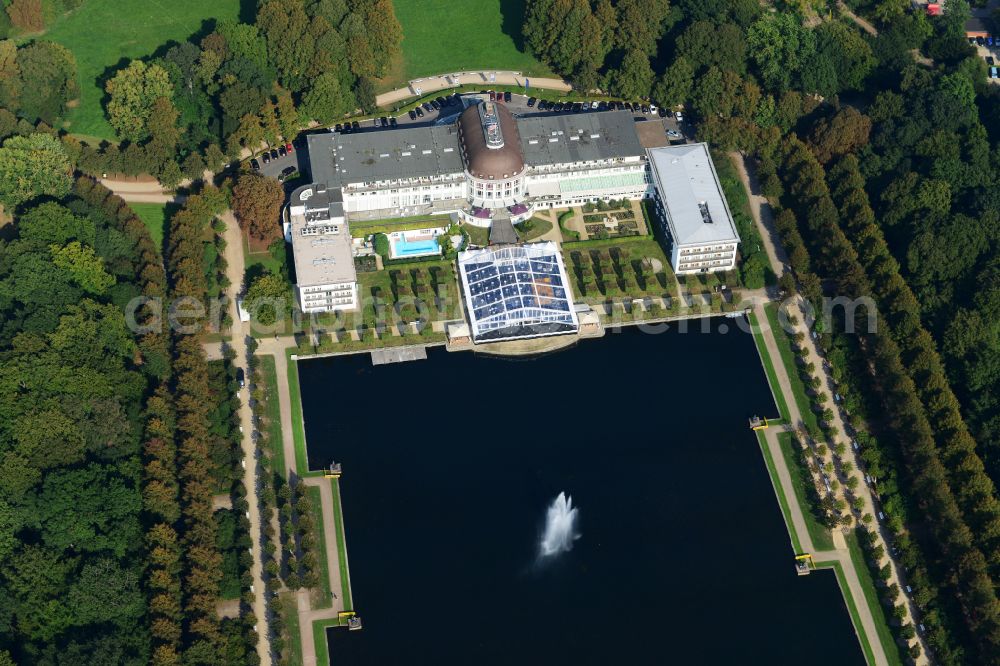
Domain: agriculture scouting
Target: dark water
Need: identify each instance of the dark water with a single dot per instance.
(450, 464)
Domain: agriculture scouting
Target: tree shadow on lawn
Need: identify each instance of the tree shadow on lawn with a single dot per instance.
(512, 13)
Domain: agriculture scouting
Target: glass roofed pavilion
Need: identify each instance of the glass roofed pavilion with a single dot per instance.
(517, 291)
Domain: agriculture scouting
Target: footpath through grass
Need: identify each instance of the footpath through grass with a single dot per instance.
(325, 594)
(885, 635)
(818, 532)
(799, 391)
(852, 610)
(448, 36)
(104, 34)
(779, 492)
(768, 362)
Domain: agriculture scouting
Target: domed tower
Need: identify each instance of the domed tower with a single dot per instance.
(491, 149)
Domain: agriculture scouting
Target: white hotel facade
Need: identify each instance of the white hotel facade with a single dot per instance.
(491, 169)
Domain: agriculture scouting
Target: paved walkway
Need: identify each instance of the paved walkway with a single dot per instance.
(430, 84)
(761, 211)
(307, 615)
(234, 271)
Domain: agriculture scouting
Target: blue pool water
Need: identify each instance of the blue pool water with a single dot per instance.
(405, 248)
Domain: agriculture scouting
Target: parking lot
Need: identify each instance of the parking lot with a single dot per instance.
(519, 105)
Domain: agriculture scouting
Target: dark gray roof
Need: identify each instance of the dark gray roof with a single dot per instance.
(412, 152)
(502, 231)
(602, 135)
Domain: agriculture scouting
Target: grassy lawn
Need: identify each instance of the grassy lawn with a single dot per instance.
(477, 235)
(772, 378)
(262, 259)
(382, 281)
(819, 533)
(539, 227)
(782, 500)
(791, 368)
(885, 635)
(461, 35)
(338, 523)
(298, 427)
(272, 412)
(290, 613)
(362, 229)
(852, 609)
(105, 34)
(156, 217)
(325, 595)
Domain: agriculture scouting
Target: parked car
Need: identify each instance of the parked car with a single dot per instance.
(434, 105)
(543, 105)
(355, 125)
(674, 134)
(506, 96)
(427, 107)
(265, 157)
(980, 41)
(441, 101)
(412, 114)
(274, 154)
(663, 112)
(384, 121)
(990, 61)
(254, 164)
(240, 377)
(493, 96)
(338, 127)
(392, 121)
(420, 112)
(531, 101)
(678, 116)
(282, 151)
(603, 106)
(290, 148)
(993, 73)
(286, 172)
(645, 108)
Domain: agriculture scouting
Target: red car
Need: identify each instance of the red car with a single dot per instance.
(289, 148)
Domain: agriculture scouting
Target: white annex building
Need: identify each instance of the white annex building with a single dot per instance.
(690, 203)
(517, 291)
(321, 245)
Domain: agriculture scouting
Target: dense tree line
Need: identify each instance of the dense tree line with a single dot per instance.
(79, 400)
(957, 510)
(638, 48)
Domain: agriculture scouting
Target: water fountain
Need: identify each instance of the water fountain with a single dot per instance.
(560, 527)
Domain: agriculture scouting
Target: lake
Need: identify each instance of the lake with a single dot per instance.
(682, 556)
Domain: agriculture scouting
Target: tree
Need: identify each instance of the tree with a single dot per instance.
(47, 81)
(634, 78)
(845, 132)
(674, 87)
(32, 166)
(133, 91)
(257, 205)
(84, 266)
(26, 15)
(324, 101)
(780, 45)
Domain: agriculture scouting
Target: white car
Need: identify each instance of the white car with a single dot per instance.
(652, 108)
(678, 116)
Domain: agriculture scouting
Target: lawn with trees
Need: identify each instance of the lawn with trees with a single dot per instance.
(461, 35)
(100, 33)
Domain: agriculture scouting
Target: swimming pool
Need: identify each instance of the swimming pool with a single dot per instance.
(407, 248)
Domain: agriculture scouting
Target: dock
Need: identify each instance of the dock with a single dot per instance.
(388, 355)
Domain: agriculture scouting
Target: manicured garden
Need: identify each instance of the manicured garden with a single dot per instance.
(617, 268)
(362, 229)
(104, 33)
(461, 35)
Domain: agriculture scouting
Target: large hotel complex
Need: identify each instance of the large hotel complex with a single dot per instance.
(491, 169)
